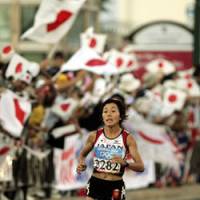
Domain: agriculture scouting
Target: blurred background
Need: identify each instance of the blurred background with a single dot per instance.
(50, 101)
(116, 18)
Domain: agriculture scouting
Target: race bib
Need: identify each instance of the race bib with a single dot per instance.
(106, 166)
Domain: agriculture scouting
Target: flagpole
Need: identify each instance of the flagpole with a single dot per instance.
(53, 50)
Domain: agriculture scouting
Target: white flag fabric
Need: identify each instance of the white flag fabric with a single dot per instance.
(174, 98)
(160, 65)
(189, 85)
(128, 83)
(87, 59)
(65, 109)
(66, 177)
(7, 53)
(136, 180)
(153, 141)
(53, 20)
(93, 40)
(14, 112)
(123, 62)
(170, 84)
(187, 74)
(22, 69)
(64, 131)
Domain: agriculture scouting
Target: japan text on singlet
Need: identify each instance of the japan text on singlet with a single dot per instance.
(105, 149)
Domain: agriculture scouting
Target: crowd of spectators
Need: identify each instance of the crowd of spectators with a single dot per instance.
(50, 87)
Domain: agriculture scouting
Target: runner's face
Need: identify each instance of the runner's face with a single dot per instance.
(111, 114)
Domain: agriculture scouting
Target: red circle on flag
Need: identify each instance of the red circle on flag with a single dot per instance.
(18, 68)
(64, 107)
(160, 65)
(95, 63)
(189, 85)
(7, 49)
(130, 63)
(119, 62)
(93, 43)
(188, 76)
(172, 98)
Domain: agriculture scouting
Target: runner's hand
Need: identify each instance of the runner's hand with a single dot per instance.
(118, 159)
(81, 166)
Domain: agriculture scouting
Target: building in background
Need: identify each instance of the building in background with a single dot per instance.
(122, 17)
(135, 13)
(119, 18)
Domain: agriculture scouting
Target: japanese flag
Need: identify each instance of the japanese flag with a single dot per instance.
(170, 84)
(123, 62)
(88, 59)
(21, 69)
(64, 130)
(160, 65)
(187, 74)
(189, 85)
(93, 40)
(14, 112)
(174, 99)
(153, 141)
(65, 109)
(7, 53)
(53, 20)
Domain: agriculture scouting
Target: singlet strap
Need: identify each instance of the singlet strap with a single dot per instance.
(98, 133)
(124, 136)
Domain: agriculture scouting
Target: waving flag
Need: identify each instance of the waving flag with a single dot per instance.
(189, 85)
(64, 131)
(22, 69)
(162, 65)
(53, 20)
(187, 74)
(93, 40)
(88, 59)
(65, 109)
(123, 62)
(7, 53)
(14, 112)
(153, 141)
(174, 99)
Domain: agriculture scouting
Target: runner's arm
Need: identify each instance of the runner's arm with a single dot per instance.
(88, 145)
(86, 149)
(138, 164)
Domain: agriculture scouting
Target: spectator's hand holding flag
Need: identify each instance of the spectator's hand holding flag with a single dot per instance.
(53, 20)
